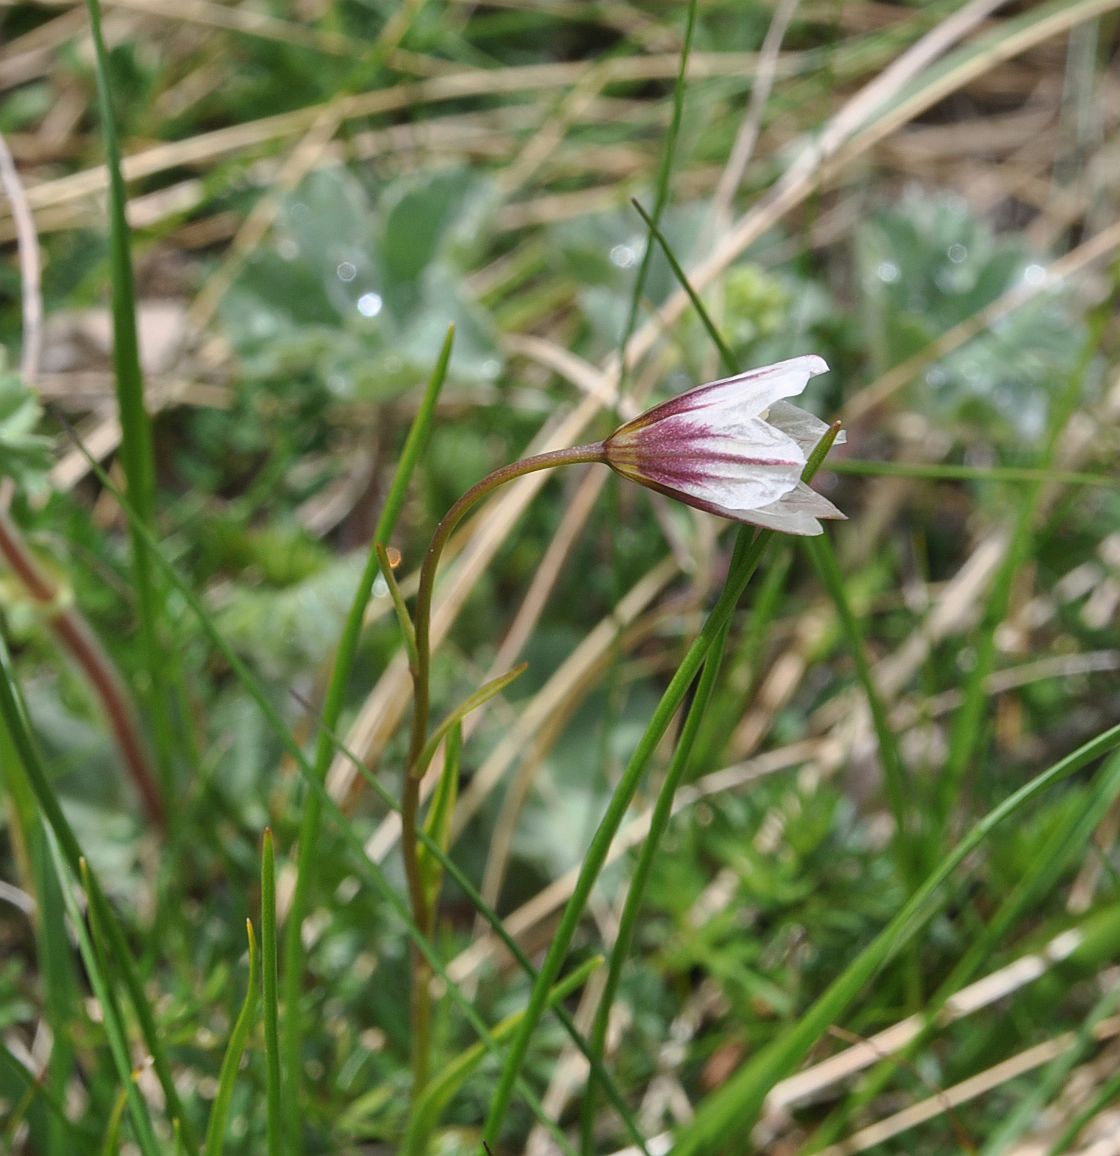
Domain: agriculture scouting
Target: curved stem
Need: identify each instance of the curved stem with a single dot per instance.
(423, 910)
(593, 452)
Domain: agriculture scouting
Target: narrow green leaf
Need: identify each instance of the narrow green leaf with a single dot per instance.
(659, 822)
(436, 1096)
(725, 352)
(471, 703)
(113, 1143)
(49, 1130)
(664, 175)
(136, 431)
(894, 772)
(270, 996)
(437, 822)
(94, 946)
(596, 855)
(415, 443)
(937, 471)
(239, 1037)
(408, 631)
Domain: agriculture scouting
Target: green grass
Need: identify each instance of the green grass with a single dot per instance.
(706, 809)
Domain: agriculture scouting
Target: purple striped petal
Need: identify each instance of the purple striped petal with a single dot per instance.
(732, 447)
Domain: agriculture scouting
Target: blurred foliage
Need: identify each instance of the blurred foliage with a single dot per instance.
(26, 455)
(291, 630)
(352, 297)
(928, 264)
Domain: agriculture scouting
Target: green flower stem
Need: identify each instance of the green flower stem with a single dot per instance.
(423, 908)
(592, 452)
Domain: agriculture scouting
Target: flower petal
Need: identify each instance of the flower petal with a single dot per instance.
(794, 513)
(745, 395)
(805, 428)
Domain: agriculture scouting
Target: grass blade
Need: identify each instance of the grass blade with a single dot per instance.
(269, 994)
(39, 1106)
(661, 196)
(439, 1091)
(437, 822)
(659, 822)
(894, 772)
(239, 1037)
(1055, 856)
(94, 945)
(471, 703)
(136, 431)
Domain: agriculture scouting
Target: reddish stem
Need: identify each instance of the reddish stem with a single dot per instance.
(75, 636)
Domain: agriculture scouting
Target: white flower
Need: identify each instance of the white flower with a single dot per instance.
(733, 448)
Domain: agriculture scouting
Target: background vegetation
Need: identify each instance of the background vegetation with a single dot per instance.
(883, 914)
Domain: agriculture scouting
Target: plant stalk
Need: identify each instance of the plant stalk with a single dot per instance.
(423, 907)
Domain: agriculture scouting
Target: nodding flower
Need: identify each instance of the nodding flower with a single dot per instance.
(733, 448)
